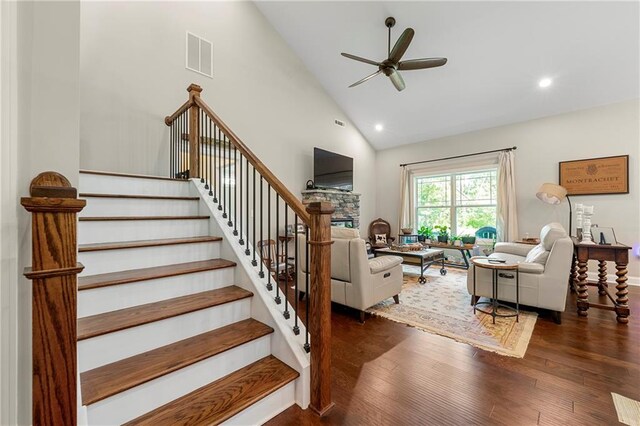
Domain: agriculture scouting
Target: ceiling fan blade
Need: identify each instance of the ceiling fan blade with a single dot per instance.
(401, 45)
(419, 64)
(366, 78)
(397, 80)
(358, 58)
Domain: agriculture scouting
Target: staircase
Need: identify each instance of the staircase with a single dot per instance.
(165, 329)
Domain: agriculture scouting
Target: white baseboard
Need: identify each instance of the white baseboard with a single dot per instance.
(611, 278)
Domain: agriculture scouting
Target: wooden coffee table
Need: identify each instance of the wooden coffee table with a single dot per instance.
(424, 258)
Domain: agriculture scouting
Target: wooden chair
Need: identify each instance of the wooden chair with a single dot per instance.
(380, 226)
(276, 263)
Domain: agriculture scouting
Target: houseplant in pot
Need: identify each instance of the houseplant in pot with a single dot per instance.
(425, 233)
(443, 235)
(468, 239)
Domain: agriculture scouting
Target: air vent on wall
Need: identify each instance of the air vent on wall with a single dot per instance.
(338, 122)
(199, 55)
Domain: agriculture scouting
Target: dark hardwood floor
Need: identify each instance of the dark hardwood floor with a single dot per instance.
(385, 373)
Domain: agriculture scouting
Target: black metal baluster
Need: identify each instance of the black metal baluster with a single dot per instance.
(239, 215)
(277, 241)
(217, 197)
(211, 155)
(269, 257)
(170, 148)
(261, 274)
(296, 329)
(286, 261)
(253, 228)
(225, 180)
(307, 347)
(235, 193)
(246, 213)
(200, 149)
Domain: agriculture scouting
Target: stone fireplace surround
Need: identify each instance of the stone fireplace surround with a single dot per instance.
(347, 204)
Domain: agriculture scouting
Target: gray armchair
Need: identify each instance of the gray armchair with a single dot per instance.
(544, 271)
(356, 280)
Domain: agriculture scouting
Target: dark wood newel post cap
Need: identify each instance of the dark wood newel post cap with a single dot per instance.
(52, 192)
(167, 120)
(194, 89)
(320, 207)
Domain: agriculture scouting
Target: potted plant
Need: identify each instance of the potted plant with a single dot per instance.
(443, 235)
(468, 239)
(425, 233)
(456, 240)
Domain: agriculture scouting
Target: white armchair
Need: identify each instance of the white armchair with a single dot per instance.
(356, 280)
(544, 271)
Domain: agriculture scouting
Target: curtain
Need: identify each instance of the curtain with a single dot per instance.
(507, 216)
(404, 213)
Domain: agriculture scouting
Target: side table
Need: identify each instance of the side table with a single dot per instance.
(495, 268)
(618, 253)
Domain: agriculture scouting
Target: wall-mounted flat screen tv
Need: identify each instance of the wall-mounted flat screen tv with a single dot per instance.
(331, 170)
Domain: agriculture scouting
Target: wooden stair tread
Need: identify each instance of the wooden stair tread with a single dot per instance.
(143, 274)
(143, 197)
(109, 322)
(131, 175)
(110, 379)
(145, 243)
(220, 400)
(105, 218)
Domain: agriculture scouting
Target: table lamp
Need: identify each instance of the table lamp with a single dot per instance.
(552, 193)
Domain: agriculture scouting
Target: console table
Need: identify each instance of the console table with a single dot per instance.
(463, 249)
(618, 253)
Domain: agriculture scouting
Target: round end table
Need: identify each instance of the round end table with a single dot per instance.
(496, 267)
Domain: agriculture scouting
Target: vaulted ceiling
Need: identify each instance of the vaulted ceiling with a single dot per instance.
(497, 53)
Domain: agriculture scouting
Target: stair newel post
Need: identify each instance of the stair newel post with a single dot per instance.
(194, 132)
(54, 206)
(320, 295)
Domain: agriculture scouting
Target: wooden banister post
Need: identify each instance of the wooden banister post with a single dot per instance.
(54, 205)
(194, 132)
(320, 309)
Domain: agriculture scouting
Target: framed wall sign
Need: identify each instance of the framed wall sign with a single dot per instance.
(596, 176)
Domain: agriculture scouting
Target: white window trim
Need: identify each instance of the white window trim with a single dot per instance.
(451, 173)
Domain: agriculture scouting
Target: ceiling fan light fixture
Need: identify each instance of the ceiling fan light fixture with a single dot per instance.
(545, 82)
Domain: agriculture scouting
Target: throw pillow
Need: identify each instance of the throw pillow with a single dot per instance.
(537, 255)
(381, 239)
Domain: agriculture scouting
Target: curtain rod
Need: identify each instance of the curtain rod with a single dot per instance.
(513, 148)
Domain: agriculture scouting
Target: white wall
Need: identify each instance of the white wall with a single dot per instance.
(133, 75)
(40, 132)
(597, 132)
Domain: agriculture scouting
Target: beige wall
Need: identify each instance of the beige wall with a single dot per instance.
(40, 131)
(133, 75)
(597, 132)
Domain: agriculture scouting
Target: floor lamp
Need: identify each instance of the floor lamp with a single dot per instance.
(552, 193)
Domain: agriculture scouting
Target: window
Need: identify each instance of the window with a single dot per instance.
(463, 201)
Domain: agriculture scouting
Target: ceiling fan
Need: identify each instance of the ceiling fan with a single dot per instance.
(392, 64)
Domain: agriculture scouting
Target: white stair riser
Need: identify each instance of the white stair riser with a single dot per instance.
(134, 402)
(103, 261)
(267, 408)
(101, 184)
(110, 231)
(138, 207)
(111, 347)
(105, 299)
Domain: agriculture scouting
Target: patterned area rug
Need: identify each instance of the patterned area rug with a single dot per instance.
(628, 410)
(442, 306)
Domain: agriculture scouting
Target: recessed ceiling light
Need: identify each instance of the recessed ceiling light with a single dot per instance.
(545, 82)
(379, 127)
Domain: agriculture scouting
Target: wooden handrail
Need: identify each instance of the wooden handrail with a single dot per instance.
(54, 206)
(293, 202)
(171, 118)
